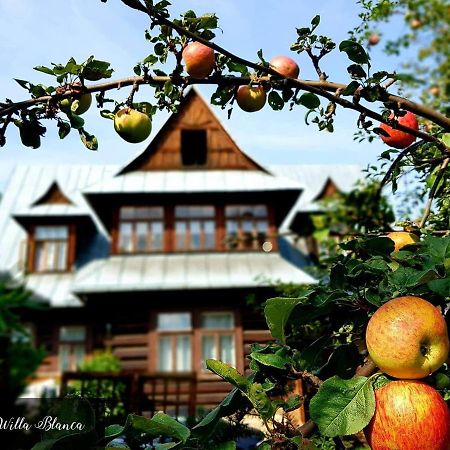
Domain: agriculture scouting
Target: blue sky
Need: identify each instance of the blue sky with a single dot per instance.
(40, 32)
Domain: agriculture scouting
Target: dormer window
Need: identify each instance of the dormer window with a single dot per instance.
(193, 147)
(51, 248)
(141, 229)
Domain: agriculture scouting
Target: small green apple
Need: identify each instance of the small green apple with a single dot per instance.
(77, 105)
(251, 98)
(133, 126)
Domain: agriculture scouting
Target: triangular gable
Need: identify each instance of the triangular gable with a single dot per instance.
(54, 195)
(329, 188)
(164, 152)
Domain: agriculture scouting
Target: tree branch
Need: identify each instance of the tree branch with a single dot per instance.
(433, 190)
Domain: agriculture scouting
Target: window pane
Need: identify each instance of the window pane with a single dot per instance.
(174, 321)
(79, 353)
(262, 226)
(39, 257)
(157, 230)
(180, 235)
(125, 237)
(51, 254)
(64, 358)
(183, 354)
(246, 210)
(195, 228)
(61, 264)
(165, 354)
(141, 212)
(141, 236)
(209, 350)
(210, 234)
(72, 334)
(227, 352)
(219, 320)
(194, 211)
(51, 232)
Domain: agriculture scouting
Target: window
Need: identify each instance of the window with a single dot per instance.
(247, 227)
(195, 228)
(72, 347)
(51, 248)
(217, 337)
(174, 342)
(193, 147)
(141, 229)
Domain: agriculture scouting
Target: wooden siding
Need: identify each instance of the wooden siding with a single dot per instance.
(164, 152)
(54, 195)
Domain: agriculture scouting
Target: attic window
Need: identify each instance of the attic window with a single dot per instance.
(193, 147)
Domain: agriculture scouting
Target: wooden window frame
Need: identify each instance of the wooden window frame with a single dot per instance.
(169, 230)
(196, 334)
(33, 243)
(134, 235)
(187, 238)
(71, 344)
(270, 234)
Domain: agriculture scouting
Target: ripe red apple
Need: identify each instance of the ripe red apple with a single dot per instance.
(285, 66)
(198, 60)
(132, 126)
(402, 238)
(409, 415)
(397, 138)
(251, 98)
(407, 338)
(374, 38)
(415, 24)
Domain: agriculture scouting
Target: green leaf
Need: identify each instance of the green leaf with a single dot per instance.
(355, 51)
(343, 407)
(257, 395)
(113, 431)
(270, 360)
(446, 139)
(351, 88)
(275, 101)
(89, 140)
(315, 22)
(63, 129)
(234, 401)
(159, 425)
(96, 70)
(309, 100)
(277, 312)
(356, 71)
(44, 69)
(441, 286)
(230, 445)
(228, 373)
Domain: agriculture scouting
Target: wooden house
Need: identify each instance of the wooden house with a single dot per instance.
(155, 260)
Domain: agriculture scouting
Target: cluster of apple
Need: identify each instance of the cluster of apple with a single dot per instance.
(407, 339)
(199, 60)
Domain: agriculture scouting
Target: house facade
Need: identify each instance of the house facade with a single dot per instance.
(155, 260)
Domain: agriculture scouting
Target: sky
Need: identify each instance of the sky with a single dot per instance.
(41, 32)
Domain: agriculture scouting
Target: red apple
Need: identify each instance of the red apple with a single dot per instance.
(402, 238)
(374, 38)
(409, 415)
(397, 138)
(251, 98)
(198, 60)
(407, 338)
(285, 66)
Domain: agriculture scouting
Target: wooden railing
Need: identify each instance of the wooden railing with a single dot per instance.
(143, 394)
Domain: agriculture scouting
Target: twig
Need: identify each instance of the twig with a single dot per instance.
(433, 190)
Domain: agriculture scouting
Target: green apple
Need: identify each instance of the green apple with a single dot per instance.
(133, 126)
(77, 105)
(407, 338)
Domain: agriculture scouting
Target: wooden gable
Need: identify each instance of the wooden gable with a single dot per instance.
(54, 195)
(165, 151)
(328, 190)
